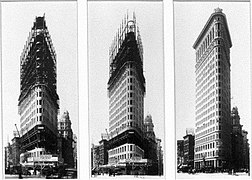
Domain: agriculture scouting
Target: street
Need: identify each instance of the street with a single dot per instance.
(8, 176)
(212, 175)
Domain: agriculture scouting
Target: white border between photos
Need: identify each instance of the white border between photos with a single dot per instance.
(84, 166)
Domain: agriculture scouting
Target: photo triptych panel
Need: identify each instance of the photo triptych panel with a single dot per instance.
(126, 88)
(39, 89)
(213, 107)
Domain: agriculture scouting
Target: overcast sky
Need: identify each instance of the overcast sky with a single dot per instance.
(17, 21)
(187, 28)
(102, 28)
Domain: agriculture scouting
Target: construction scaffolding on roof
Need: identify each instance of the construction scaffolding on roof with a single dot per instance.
(38, 61)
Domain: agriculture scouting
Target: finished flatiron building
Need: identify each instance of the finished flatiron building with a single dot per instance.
(213, 121)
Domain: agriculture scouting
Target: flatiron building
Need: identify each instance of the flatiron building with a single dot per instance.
(213, 121)
(126, 91)
(38, 101)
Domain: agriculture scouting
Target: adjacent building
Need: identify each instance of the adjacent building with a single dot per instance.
(180, 152)
(185, 150)
(15, 151)
(66, 138)
(237, 140)
(240, 145)
(95, 157)
(150, 143)
(188, 150)
(103, 152)
(38, 100)
(7, 158)
(160, 157)
(246, 155)
(212, 123)
(75, 155)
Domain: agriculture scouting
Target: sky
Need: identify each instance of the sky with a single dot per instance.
(186, 29)
(102, 28)
(17, 21)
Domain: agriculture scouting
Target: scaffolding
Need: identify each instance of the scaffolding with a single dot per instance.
(38, 62)
(126, 47)
(127, 27)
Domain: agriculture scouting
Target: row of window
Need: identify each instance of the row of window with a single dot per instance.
(205, 100)
(121, 116)
(206, 105)
(205, 132)
(205, 118)
(130, 103)
(124, 156)
(206, 154)
(125, 148)
(114, 90)
(115, 97)
(203, 114)
(115, 130)
(26, 102)
(132, 123)
(205, 44)
(128, 73)
(205, 139)
(118, 109)
(215, 31)
(202, 68)
(32, 114)
(28, 111)
(204, 125)
(130, 87)
(205, 74)
(205, 147)
(207, 92)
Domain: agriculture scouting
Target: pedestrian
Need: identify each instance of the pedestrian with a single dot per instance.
(20, 175)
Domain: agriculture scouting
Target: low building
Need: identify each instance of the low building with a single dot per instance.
(38, 158)
(7, 158)
(103, 152)
(65, 131)
(237, 140)
(16, 149)
(159, 157)
(150, 145)
(75, 150)
(188, 150)
(246, 156)
(180, 152)
(95, 156)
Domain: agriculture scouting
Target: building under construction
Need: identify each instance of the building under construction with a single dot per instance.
(38, 100)
(126, 91)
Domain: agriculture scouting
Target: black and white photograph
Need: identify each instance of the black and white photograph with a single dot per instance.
(126, 89)
(39, 89)
(212, 89)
